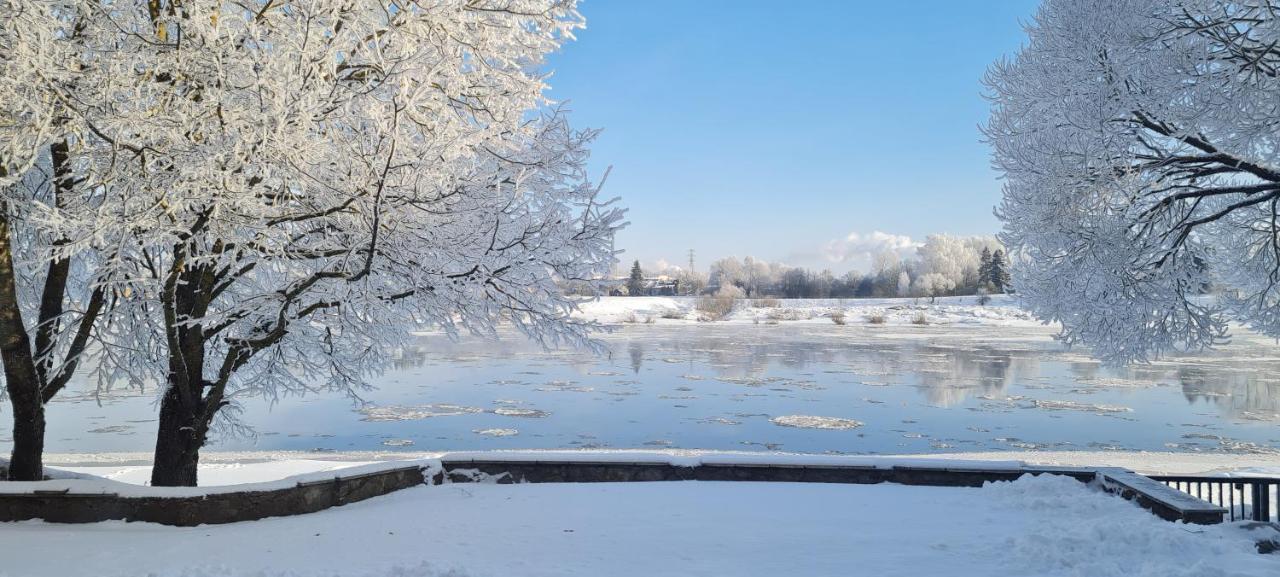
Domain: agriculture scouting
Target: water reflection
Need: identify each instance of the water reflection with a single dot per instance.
(721, 387)
(946, 370)
(636, 350)
(1240, 393)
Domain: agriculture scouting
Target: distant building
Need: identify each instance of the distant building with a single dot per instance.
(658, 286)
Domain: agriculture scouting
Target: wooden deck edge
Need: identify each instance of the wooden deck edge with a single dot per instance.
(1162, 500)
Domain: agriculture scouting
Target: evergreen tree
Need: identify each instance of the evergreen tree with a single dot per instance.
(984, 269)
(999, 272)
(635, 284)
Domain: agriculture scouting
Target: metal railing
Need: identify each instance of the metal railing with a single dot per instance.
(1245, 498)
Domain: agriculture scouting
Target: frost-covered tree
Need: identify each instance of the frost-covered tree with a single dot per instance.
(757, 275)
(750, 274)
(1139, 148)
(955, 257)
(904, 284)
(59, 250)
(824, 284)
(886, 267)
(303, 181)
(727, 271)
(635, 282)
(51, 298)
(984, 268)
(998, 272)
(691, 282)
(933, 285)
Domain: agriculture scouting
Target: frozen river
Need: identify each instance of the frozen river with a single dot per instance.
(799, 387)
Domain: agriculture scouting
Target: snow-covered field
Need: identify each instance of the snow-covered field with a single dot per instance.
(1044, 526)
(1002, 310)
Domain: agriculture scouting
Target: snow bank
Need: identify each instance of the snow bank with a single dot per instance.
(1142, 462)
(1042, 526)
(1003, 310)
(693, 458)
(236, 467)
(130, 480)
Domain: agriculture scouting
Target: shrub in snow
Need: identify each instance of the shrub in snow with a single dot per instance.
(716, 307)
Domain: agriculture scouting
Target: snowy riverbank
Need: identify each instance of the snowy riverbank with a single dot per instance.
(1044, 526)
(1002, 310)
(240, 467)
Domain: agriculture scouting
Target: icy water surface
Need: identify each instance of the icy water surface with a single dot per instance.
(804, 387)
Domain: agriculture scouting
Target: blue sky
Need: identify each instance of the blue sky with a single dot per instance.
(778, 129)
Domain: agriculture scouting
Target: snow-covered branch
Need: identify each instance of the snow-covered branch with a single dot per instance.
(1139, 148)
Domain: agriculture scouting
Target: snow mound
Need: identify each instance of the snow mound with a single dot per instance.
(1089, 532)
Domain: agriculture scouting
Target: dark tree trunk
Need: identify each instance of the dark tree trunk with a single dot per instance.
(27, 460)
(178, 442)
(21, 379)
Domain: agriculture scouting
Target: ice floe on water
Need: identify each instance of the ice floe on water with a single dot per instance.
(1076, 406)
(719, 421)
(397, 443)
(957, 389)
(815, 422)
(525, 413)
(566, 386)
(496, 432)
(1116, 383)
(112, 429)
(420, 412)
(415, 412)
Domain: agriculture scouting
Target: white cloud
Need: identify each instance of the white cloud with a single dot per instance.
(861, 248)
(658, 267)
(662, 266)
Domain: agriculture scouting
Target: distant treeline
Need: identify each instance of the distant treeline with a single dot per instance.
(944, 265)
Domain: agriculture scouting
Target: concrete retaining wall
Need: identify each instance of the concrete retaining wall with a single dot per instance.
(61, 507)
(1155, 497)
(65, 507)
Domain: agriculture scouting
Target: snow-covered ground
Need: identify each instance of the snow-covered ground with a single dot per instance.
(1002, 310)
(238, 467)
(1145, 462)
(1044, 526)
(125, 473)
